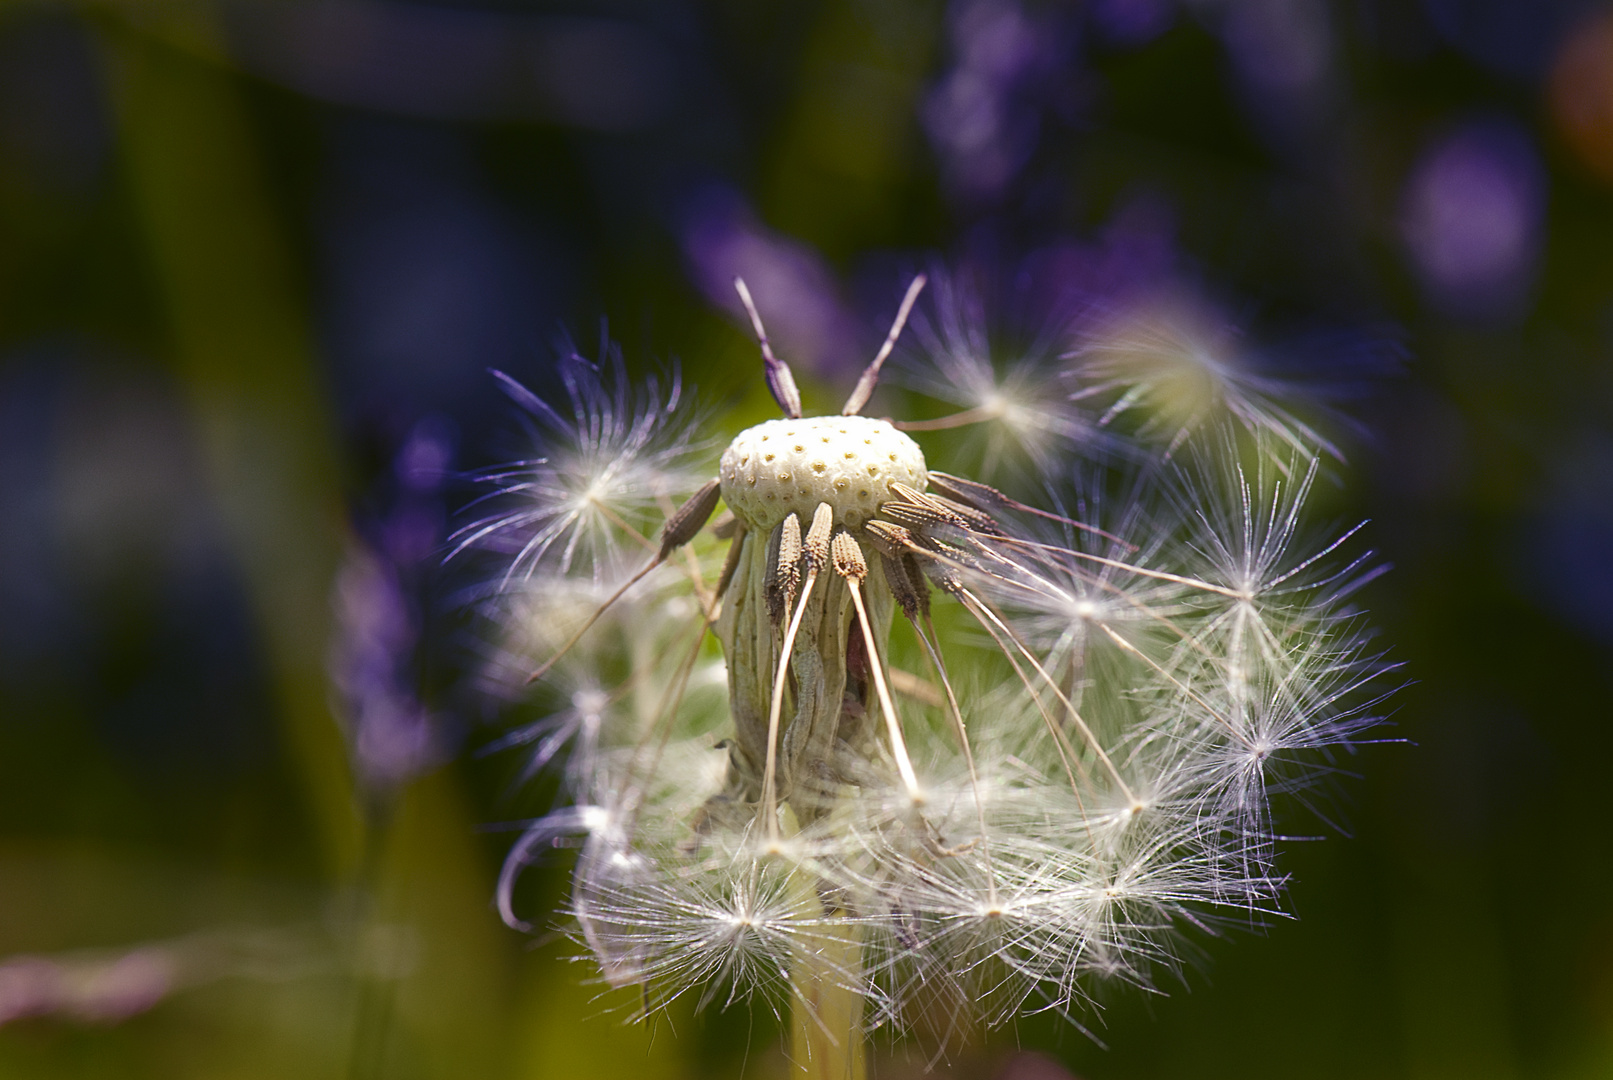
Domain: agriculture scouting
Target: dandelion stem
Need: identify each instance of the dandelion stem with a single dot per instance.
(826, 1023)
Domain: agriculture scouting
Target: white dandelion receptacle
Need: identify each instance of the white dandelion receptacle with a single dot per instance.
(781, 467)
(1051, 798)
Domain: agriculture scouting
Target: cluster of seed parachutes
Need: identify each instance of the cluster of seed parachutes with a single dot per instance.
(957, 754)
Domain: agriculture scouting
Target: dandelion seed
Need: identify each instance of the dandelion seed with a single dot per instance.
(1006, 407)
(1178, 370)
(599, 478)
(1072, 776)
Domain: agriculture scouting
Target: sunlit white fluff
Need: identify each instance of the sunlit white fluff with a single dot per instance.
(1127, 677)
(1010, 410)
(1171, 367)
(608, 687)
(605, 470)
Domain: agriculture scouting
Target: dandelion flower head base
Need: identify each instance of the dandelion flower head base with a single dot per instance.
(790, 466)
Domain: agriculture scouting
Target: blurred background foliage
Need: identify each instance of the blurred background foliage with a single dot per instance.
(257, 255)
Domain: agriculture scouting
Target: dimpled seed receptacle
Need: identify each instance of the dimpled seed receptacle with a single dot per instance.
(785, 466)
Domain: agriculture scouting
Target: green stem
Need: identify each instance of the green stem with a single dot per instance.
(826, 1036)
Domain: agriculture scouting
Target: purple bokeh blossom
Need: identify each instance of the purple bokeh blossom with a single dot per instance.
(984, 116)
(1471, 216)
(795, 290)
(1131, 23)
(392, 734)
(1279, 46)
(1133, 254)
(1281, 54)
(98, 993)
(109, 986)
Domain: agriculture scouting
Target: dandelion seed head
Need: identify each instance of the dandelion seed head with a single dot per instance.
(1057, 776)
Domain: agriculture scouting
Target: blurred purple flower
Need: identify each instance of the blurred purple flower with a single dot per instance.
(1131, 22)
(982, 129)
(1281, 53)
(1281, 46)
(795, 290)
(1134, 254)
(110, 986)
(392, 735)
(1471, 216)
(414, 528)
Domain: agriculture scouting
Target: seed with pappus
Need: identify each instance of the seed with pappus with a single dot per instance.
(888, 747)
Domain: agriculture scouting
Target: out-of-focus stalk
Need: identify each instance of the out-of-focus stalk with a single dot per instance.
(826, 1020)
(429, 969)
(827, 1040)
(240, 347)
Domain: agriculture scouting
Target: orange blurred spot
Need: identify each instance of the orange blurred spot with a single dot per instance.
(1582, 94)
